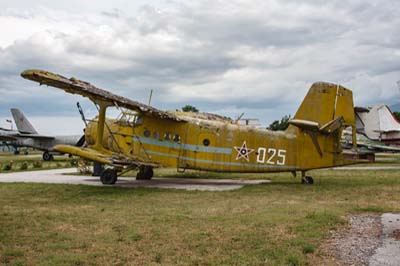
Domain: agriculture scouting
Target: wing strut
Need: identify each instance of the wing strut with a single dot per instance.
(100, 125)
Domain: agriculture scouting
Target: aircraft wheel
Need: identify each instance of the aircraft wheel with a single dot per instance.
(47, 156)
(26, 152)
(145, 173)
(109, 177)
(307, 180)
(16, 152)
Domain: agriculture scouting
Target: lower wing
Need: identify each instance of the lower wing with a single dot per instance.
(104, 156)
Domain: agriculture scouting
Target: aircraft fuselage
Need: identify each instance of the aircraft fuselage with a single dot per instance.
(217, 145)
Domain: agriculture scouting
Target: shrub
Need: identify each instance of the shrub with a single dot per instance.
(7, 167)
(83, 167)
(37, 164)
(23, 166)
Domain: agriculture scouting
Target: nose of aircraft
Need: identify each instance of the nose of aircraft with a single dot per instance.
(38, 75)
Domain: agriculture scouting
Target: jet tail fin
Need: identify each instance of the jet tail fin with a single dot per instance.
(23, 124)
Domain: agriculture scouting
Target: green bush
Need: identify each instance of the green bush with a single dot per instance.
(23, 166)
(37, 164)
(7, 167)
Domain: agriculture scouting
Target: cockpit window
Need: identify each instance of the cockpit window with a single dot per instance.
(127, 118)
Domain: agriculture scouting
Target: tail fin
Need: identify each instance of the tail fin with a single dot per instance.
(23, 124)
(324, 112)
(326, 102)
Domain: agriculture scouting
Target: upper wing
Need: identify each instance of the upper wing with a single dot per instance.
(75, 86)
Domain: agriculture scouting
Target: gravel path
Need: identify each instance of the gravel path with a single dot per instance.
(356, 245)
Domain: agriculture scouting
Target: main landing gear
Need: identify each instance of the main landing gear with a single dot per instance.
(109, 177)
(307, 180)
(145, 173)
(47, 156)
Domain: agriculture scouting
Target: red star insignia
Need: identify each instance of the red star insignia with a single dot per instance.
(243, 152)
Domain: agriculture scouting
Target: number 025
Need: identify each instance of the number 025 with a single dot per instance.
(271, 156)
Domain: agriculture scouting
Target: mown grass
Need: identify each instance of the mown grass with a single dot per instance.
(281, 223)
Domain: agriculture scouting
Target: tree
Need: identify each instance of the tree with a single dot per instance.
(397, 114)
(280, 125)
(190, 108)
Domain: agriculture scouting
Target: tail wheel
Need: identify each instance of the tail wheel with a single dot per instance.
(109, 177)
(145, 173)
(308, 180)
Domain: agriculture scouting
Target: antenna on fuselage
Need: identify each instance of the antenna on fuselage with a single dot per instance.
(151, 94)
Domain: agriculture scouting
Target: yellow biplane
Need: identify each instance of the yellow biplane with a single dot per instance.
(144, 137)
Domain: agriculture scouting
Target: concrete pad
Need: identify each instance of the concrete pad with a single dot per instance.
(389, 252)
(60, 176)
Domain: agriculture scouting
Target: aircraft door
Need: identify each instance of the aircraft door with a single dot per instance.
(195, 152)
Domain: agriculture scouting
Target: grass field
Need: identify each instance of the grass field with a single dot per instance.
(281, 223)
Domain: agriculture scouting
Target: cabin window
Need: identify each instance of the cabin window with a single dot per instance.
(167, 136)
(129, 119)
(156, 134)
(206, 142)
(177, 138)
(147, 133)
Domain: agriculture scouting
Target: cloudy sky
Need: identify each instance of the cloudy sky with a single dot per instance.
(253, 56)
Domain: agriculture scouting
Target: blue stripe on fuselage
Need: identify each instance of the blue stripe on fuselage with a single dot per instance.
(178, 146)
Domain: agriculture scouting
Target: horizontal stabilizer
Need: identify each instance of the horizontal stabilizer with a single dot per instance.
(36, 136)
(304, 124)
(328, 128)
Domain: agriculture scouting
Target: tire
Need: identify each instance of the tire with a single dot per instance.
(145, 173)
(109, 177)
(16, 152)
(309, 180)
(47, 156)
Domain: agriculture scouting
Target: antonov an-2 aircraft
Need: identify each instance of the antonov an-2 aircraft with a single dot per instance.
(144, 137)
